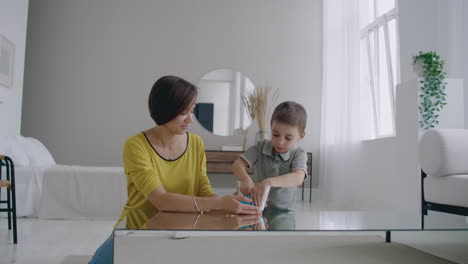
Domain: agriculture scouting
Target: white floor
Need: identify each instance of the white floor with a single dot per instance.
(73, 241)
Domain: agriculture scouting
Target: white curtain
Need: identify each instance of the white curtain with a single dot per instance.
(340, 125)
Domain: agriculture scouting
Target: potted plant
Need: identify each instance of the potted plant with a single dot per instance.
(432, 96)
(256, 102)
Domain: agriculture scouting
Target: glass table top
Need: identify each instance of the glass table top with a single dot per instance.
(141, 237)
(301, 219)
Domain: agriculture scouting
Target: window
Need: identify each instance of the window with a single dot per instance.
(378, 62)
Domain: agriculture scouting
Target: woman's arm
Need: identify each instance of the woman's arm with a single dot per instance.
(208, 221)
(174, 202)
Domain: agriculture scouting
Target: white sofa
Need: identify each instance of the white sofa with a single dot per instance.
(47, 190)
(443, 157)
(74, 192)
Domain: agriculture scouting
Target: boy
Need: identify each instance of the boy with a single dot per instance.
(279, 163)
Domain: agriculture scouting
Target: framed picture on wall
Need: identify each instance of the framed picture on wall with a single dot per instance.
(7, 59)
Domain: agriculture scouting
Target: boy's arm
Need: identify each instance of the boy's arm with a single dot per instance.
(292, 179)
(239, 168)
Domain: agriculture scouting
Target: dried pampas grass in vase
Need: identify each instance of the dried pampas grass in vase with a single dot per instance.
(256, 102)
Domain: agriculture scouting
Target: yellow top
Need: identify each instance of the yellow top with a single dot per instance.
(146, 170)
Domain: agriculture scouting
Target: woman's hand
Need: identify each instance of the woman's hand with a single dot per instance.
(231, 203)
(258, 192)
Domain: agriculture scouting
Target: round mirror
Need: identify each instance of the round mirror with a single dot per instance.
(220, 109)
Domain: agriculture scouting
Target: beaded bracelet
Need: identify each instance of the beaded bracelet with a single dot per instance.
(196, 221)
(196, 205)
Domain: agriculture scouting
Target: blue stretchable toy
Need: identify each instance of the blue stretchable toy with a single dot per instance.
(248, 196)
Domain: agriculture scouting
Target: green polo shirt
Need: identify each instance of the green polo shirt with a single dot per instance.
(270, 164)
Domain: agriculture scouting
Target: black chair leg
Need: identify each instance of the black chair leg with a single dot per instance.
(302, 191)
(422, 221)
(310, 189)
(10, 198)
(15, 225)
(9, 209)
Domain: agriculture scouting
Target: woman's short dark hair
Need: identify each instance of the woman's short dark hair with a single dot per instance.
(169, 97)
(290, 113)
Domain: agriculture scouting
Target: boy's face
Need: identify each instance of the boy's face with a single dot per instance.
(284, 137)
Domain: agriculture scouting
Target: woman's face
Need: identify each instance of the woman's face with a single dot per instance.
(179, 125)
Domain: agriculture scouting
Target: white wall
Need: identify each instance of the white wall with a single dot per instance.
(91, 64)
(13, 20)
(449, 18)
(453, 114)
(465, 57)
(431, 25)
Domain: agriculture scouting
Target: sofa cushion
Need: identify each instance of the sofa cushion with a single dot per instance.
(442, 189)
(38, 154)
(444, 152)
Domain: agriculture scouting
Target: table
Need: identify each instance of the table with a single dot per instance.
(217, 229)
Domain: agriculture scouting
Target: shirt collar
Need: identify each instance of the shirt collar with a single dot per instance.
(268, 150)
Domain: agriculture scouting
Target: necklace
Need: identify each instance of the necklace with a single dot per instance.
(165, 153)
(169, 154)
(159, 147)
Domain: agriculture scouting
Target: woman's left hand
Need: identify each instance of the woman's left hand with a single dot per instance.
(232, 204)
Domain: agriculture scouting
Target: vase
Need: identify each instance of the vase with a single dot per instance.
(261, 135)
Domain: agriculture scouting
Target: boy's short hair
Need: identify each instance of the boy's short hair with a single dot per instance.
(169, 97)
(290, 113)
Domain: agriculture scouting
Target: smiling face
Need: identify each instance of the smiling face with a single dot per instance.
(179, 125)
(284, 137)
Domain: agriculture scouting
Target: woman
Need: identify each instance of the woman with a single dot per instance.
(166, 166)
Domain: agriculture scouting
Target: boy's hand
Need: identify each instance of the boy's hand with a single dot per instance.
(246, 187)
(257, 192)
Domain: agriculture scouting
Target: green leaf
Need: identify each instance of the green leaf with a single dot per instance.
(432, 97)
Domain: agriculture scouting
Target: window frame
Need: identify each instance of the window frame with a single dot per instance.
(376, 24)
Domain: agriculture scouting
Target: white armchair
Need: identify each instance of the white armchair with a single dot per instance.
(443, 156)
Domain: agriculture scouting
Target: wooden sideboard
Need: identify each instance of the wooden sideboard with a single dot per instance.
(221, 161)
